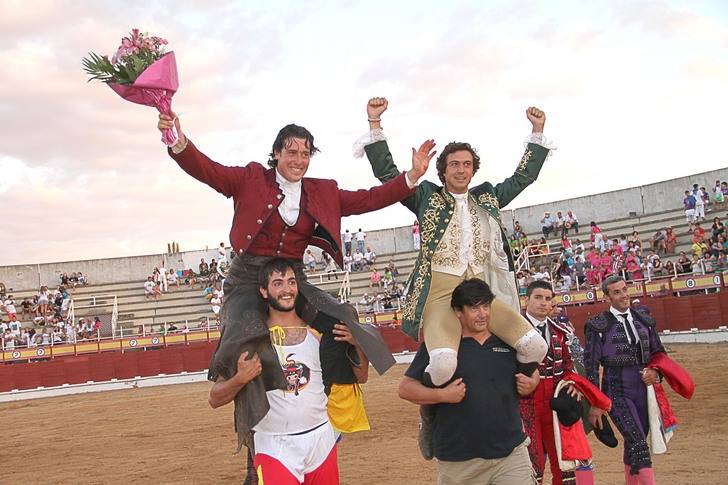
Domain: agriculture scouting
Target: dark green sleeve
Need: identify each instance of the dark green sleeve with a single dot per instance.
(384, 169)
(526, 173)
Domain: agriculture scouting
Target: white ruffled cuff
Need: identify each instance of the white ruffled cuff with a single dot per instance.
(539, 139)
(372, 136)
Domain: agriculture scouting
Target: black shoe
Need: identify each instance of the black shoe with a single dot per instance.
(424, 438)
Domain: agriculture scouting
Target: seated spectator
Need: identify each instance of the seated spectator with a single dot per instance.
(518, 231)
(548, 224)
(375, 279)
(632, 265)
(370, 257)
(543, 246)
(149, 287)
(387, 279)
(684, 264)
(309, 261)
(658, 269)
(717, 229)
(393, 269)
(171, 328)
(96, 326)
(698, 233)
(207, 293)
(192, 279)
(10, 310)
(358, 263)
(9, 339)
(580, 269)
(696, 265)
(515, 245)
(658, 241)
(204, 268)
(560, 229)
(365, 304)
(84, 329)
(670, 268)
(571, 222)
(172, 278)
(698, 248)
(542, 275)
(709, 263)
(213, 267)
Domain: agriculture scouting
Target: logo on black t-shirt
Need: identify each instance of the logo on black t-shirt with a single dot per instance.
(297, 374)
(501, 349)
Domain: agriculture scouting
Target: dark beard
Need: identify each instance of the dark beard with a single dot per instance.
(273, 303)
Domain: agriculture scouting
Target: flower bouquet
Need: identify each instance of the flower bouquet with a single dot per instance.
(140, 72)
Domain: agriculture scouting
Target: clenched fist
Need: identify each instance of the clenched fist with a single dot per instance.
(375, 107)
(537, 119)
(454, 392)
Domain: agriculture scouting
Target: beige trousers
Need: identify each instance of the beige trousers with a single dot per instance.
(514, 469)
(441, 326)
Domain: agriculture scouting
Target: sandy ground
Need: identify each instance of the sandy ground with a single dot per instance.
(170, 435)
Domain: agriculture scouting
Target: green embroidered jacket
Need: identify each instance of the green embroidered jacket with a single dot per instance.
(434, 206)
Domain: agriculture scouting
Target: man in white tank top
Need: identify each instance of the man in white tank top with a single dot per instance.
(294, 442)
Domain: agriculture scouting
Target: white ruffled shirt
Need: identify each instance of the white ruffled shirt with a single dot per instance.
(291, 205)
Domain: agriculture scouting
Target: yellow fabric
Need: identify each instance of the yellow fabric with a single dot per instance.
(260, 475)
(346, 408)
(277, 336)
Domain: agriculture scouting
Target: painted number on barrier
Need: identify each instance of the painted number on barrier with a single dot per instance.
(590, 295)
(132, 343)
(40, 352)
(16, 354)
(716, 279)
(566, 298)
(368, 319)
(155, 340)
(690, 283)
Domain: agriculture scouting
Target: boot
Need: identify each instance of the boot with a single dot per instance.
(424, 438)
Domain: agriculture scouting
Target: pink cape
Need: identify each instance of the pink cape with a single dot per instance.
(154, 87)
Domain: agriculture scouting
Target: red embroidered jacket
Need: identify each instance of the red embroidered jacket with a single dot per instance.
(256, 196)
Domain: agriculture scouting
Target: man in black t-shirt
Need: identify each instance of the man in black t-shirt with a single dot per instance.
(477, 432)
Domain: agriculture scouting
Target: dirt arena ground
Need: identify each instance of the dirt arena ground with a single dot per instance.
(170, 435)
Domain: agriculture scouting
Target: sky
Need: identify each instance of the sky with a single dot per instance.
(634, 92)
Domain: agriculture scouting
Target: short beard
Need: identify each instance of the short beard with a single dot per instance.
(273, 303)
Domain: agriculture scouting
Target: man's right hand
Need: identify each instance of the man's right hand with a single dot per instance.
(595, 416)
(248, 369)
(454, 392)
(166, 122)
(375, 107)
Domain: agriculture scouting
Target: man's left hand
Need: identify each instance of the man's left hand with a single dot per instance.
(421, 160)
(650, 376)
(343, 334)
(526, 385)
(537, 119)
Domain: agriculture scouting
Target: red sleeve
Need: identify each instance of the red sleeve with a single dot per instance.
(226, 180)
(362, 201)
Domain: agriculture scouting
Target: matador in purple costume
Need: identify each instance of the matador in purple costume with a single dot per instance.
(623, 342)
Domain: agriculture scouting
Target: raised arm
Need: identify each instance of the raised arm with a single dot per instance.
(375, 146)
(225, 180)
(531, 162)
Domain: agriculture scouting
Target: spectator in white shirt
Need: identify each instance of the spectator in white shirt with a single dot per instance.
(572, 222)
(149, 287)
(216, 304)
(547, 224)
(360, 236)
(358, 263)
(348, 262)
(699, 202)
(309, 260)
(8, 339)
(347, 241)
(172, 277)
(222, 254)
(370, 257)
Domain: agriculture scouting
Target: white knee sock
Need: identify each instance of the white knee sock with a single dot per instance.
(441, 368)
(531, 347)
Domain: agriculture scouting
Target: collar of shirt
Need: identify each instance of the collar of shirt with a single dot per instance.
(291, 205)
(619, 314)
(535, 321)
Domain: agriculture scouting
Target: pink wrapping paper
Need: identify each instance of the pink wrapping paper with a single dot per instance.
(154, 87)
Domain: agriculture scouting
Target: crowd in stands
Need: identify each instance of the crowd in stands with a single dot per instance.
(388, 292)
